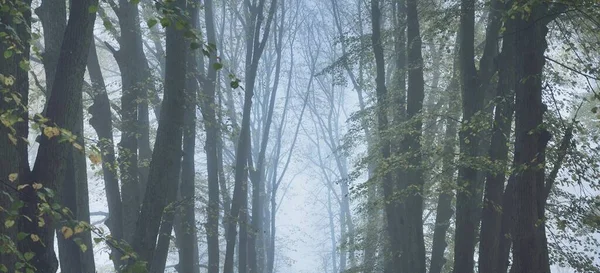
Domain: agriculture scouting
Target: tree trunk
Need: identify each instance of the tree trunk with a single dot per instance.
(472, 101)
(165, 166)
(14, 158)
(101, 121)
(53, 16)
(529, 239)
(188, 238)
(135, 79)
(391, 209)
(413, 244)
(208, 104)
(444, 209)
(254, 47)
(492, 214)
(64, 111)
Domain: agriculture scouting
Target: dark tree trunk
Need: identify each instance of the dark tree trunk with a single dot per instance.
(165, 166)
(136, 80)
(73, 192)
(492, 214)
(444, 209)
(413, 242)
(14, 159)
(53, 16)
(529, 238)
(472, 101)
(188, 238)
(101, 121)
(64, 111)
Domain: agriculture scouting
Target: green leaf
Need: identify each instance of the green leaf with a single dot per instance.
(107, 24)
(151, 22)
(3, 268)
(165, 22)
(595, 109)
(21, 236)
(8, 54)
(28, 255)
(93, 9)
(217, 66)
(9, 223)
(194, 46)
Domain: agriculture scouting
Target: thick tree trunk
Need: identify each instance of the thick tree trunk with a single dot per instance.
(53, 16)
(529, 238)
(492, 214)
(166, 158)
(472, 101)
(73, 192)
(413, 244)
(14, 159)
(64, 111)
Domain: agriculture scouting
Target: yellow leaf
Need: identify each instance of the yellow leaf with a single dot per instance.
(20, 187)
(51, 132)
(37, 186)
(9, 223)
(79, 229)
(35, 238)
(12, 177)
(77, 146)
(12, 139)
(9, 81)
(95, 158)
(41, 222)
(83, 247)
(67, 232)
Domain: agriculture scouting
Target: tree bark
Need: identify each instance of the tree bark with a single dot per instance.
(101, 121)
(165, 166)
(472, 102)
(529, 238)
(64, 111)
(492, 214)
(413, 242)
(14, 159)
(444, 209)
(208, 104)
(188, 248)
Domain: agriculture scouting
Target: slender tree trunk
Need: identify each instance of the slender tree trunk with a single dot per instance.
(444, 209)
(136, 80)
(101, 121)
(255, 44)
(208, 104)
(393, 225)
(165, 166)
(188, 249)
